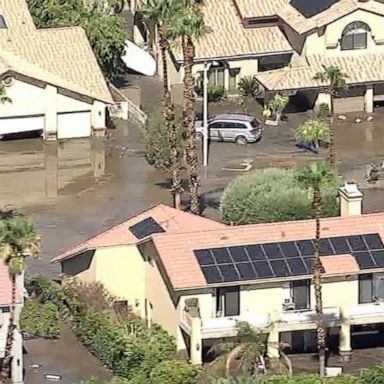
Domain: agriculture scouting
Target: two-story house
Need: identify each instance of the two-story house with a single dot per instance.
(5, 303)
(198, 278)
(285, 43)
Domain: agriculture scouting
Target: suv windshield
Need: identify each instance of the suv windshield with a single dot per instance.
(254, 124)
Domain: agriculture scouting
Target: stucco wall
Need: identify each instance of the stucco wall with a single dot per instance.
(121, 270)
(328, 44)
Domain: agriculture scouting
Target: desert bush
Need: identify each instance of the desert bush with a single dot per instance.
(272, 195)
(216, 93)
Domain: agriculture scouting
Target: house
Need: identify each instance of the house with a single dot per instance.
(5, 303)
(51, 76)
(197, 278)
(284, 43)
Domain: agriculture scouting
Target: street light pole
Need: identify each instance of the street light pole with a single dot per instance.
(205, 115)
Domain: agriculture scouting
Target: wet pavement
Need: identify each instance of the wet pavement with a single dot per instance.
(78, 188)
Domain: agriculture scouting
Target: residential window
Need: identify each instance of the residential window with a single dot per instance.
(371, 287)
(355, 36)
(228, 301)
(301, 294)
(216, 76)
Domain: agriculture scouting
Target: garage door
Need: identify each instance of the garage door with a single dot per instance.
(77, 124)
(21, 124)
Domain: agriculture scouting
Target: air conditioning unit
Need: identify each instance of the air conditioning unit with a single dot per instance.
(288, 305)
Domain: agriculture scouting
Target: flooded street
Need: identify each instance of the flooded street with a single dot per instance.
(78, 188)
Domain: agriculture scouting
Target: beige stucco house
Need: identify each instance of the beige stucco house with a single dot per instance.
(5, 303)
(285, 43)
(198, 278)
(51, 76)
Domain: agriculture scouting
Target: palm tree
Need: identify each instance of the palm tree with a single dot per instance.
(313, 176)
(187, 25)
(312, 131)
(18, 241)
(247, 348)
(3, 95)
(159, 12)
(336, 80)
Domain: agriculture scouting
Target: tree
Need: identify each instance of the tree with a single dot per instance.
(159, 12)
(312, 131)
(106, 32)
(3, 95)
(336, 80)
(272, 195)
(157, 146)
(187, 25)
(18, 241)
(247, 348)
(314, 176)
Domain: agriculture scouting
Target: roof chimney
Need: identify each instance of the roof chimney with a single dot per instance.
(350, 200)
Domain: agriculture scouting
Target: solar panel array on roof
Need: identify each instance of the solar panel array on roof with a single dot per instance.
(309, 8)
(288, 258)
(145, 228)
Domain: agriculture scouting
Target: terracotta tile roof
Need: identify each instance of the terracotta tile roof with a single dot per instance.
(344, 7)
(60, 56)
(182, 268)
(260, 8)
(339, 264)
(228, 37)
(170, 219)
(361, 68)
(5, 285)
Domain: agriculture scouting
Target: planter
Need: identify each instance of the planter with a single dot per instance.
(274, 122)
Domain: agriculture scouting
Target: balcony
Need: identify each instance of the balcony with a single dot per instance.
(221, 326)
(298, 318)
(369, 312)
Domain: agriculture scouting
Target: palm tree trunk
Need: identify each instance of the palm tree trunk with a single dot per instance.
(317, 270)
(332, 157)
(5, 376)
(188, 120)
(169, 116)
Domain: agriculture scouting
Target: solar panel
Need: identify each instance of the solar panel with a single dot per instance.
(309, 8)
(145, 228)
(287, 258)
(212, 274)
(238, 254)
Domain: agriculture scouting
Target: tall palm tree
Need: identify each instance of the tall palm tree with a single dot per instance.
(159, 12)
(18, 241)
(187, 25)
(314, 176)
(336, 82)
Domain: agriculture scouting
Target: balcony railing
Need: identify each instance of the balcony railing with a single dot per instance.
(331, 315)
(366, 310)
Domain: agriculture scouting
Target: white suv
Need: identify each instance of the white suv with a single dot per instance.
(238, 128)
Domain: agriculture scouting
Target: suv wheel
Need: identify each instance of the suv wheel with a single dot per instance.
(241, 140)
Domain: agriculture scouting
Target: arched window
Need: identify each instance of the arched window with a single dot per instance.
(355, 36)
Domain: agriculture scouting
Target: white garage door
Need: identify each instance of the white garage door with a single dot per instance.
(77, 124)
(21, 124)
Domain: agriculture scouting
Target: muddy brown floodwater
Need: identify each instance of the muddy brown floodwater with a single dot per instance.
(78, 188)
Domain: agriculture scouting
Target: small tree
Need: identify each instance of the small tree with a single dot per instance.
(248, 87)
(314, 176)
(336, 82)
(312, 131)
(272, 195)
(157, 148)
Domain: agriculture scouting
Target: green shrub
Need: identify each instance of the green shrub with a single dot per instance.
(323, 111)
(372, 376)
(173, 372)
(216, 93)
(248, 86)
(40, 320)
(156, 141)
(272, 195)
